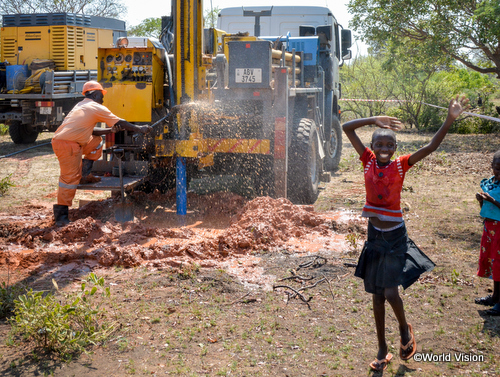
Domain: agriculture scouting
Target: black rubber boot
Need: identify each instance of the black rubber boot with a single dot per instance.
(86, 176)
(86, 167)
(61, 215)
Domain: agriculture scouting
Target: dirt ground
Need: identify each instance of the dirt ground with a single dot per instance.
(199, 296)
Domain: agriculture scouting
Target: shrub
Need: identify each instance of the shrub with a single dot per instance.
(8, 294)
(472, 124)
(4, 129)
(5, 183)
(64, 326)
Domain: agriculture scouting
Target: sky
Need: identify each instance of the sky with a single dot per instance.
(139, 10)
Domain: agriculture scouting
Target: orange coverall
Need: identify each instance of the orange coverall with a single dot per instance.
(73, 139)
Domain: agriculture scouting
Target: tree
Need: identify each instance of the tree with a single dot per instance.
(103, 8)
(465, 30)
(365, 78)
(211, 16)
(149, 27)
(397, 73)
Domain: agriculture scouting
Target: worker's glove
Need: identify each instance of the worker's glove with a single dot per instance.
(145, 129)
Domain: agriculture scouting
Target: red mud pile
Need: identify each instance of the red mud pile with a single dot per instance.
(266, 223)
(262, 224)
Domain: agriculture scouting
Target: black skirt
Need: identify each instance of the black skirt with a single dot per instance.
(390, 259)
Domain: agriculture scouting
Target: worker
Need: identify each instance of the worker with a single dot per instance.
(77, 136)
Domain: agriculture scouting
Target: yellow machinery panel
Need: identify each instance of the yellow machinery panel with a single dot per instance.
(133, 78)
(104, 39)
(92, 41)
(25, 44)
(8, 45)
(130, 102)
(71, 41)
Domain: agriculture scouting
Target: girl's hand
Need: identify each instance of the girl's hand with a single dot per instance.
(485, 196)
(388, 122)
(479, 197)
(457, 107)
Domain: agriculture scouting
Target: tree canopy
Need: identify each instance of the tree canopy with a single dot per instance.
(103, 8)
(465, 30)
(149, 27)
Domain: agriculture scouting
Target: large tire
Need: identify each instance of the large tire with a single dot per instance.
(304, 163)
(22, 133)
(333, 147)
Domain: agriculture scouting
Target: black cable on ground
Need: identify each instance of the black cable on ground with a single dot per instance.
(24, 150)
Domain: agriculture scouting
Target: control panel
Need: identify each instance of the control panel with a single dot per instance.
(127, 65)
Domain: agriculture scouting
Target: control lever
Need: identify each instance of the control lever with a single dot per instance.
(136, 136)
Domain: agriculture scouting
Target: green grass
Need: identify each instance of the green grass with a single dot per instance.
(5, 184)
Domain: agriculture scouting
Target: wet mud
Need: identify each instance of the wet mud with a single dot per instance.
(219, 230)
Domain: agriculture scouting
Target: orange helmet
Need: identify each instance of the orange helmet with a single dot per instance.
(91, 86)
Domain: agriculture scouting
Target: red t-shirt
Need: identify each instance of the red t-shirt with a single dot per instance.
(383, 187)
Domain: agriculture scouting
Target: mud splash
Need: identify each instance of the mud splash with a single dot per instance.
(218, 228)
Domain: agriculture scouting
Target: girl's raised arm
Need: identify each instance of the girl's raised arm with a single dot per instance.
(455, 108)
(381, 121)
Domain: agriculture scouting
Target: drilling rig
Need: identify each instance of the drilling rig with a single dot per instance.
(229, 103)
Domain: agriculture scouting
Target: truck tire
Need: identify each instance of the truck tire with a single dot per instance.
(333, 147)
(304, 163)
(22, 133)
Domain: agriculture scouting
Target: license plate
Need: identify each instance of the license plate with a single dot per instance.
(248, 75)
(46, 110)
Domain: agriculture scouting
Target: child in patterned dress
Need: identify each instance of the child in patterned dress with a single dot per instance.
(489, 256)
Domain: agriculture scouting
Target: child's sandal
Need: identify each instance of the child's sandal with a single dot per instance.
(486, 301)
(380, 365)
(411, 343)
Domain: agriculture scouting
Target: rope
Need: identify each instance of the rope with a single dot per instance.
(428, 104)
(372, 100)
(465, 112)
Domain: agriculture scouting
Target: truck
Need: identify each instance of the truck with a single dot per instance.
(45, 60)
(256, 100)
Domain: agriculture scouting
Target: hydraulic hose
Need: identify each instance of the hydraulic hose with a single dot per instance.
(24, 150)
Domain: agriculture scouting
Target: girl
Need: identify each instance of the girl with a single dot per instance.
(489, 257)
(389, 258)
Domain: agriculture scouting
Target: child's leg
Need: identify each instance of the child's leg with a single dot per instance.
(495, 310)
(379, 315)
(392, 296)
(496, 292)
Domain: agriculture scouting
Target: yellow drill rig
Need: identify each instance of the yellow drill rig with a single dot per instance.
(262, 107)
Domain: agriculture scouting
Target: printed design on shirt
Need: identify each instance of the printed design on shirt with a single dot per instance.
(368, 166)
(384, 180)
(400, 167)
